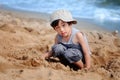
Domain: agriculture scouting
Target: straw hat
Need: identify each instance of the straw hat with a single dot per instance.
(63, 15)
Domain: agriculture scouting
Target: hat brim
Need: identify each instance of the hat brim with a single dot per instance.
(74, 22)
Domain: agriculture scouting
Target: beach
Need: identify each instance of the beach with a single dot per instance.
(24, 37)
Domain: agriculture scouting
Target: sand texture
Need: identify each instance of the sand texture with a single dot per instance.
(24, 40)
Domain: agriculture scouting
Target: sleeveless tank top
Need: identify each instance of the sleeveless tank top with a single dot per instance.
(70, 43)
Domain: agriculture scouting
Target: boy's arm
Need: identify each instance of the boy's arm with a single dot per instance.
(49, 54)
(81, 40)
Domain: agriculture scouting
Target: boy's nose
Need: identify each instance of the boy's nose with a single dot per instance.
(61, 29)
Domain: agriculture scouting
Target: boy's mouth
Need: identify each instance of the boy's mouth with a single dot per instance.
(63, 33)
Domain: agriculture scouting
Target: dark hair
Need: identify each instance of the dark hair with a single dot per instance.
(56, 22)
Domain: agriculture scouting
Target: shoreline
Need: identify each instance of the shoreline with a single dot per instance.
(82, 24)
(25, 14)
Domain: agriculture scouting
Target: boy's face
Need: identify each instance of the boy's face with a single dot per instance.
(63, 29)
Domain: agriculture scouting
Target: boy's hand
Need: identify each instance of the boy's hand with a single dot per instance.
(87, 67)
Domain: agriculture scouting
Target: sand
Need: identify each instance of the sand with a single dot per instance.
(24, 40)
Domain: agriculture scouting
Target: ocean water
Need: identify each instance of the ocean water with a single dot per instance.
(105, 13)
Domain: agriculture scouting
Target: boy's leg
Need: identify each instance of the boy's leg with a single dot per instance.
(58, 50)
(74, 56)
(79, 64)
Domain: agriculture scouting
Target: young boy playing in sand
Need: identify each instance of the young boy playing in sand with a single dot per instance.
(69, 42)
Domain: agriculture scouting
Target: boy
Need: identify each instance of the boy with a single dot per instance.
(69, 42)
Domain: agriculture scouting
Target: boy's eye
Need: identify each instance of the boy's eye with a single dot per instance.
(63, 24)
(57, 27)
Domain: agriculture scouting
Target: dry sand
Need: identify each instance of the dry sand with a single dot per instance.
(22, 40)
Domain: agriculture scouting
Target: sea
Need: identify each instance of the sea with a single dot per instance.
(105, 13)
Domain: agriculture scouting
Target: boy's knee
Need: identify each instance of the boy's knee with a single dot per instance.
(73, 55)
(58, 49)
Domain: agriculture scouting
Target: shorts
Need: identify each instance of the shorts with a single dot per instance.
(70, 54)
